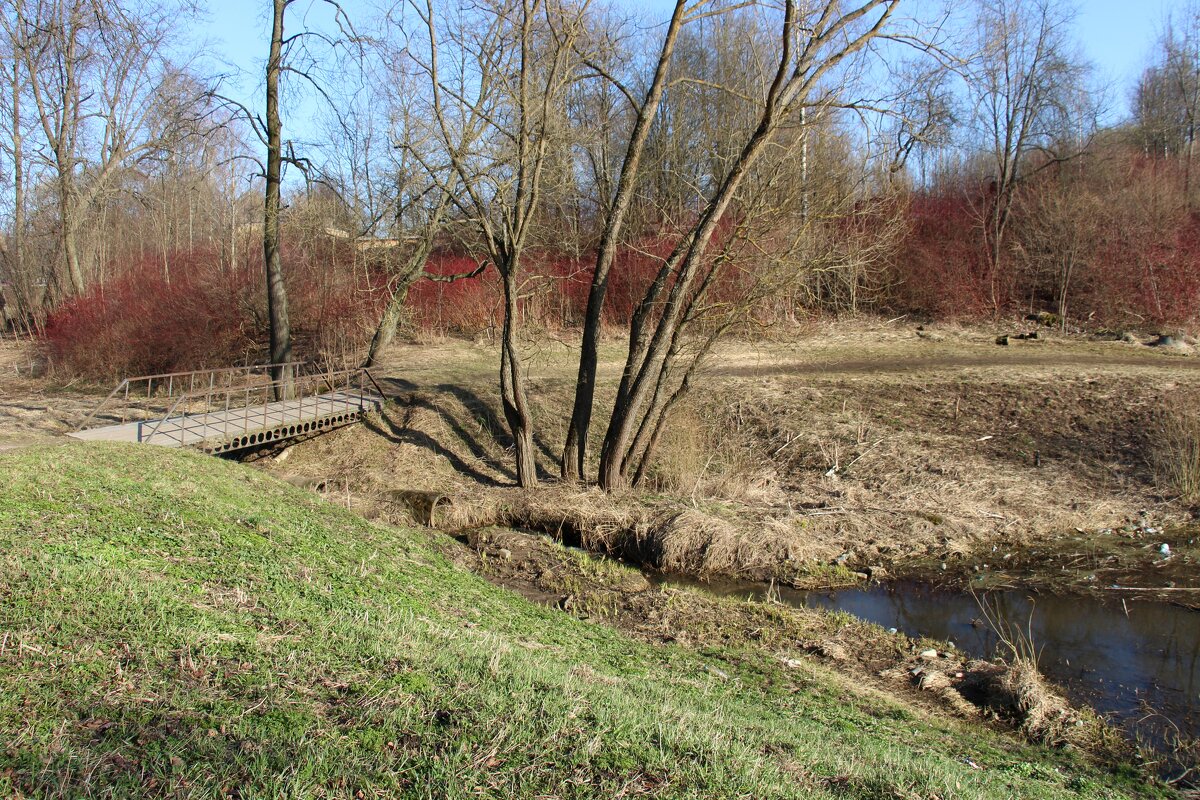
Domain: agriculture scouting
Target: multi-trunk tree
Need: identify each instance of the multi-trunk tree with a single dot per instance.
(499, 74)
(765, 95)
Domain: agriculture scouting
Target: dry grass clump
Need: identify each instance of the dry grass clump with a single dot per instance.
(683, 455)
(695, 543)
(709, 452)
(690, 542)
(1018, 692)
(1174, 447)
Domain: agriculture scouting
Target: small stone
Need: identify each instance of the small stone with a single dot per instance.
(504, 553)
(834, 651)
(928, 655)
(635, 582)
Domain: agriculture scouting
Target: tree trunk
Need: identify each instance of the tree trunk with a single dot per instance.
(20, 279)
(660, 424)
(649, 354)
(277, 309)
(575, 451)
(513, 393)
(385, 331)
(70, 244)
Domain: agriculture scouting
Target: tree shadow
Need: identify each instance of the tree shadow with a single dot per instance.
(400, 435)
(496, 426)
(394, 386)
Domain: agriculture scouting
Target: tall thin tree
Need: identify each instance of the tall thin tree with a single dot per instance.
(277, 303)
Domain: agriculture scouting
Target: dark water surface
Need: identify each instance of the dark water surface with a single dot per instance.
(1137, 662)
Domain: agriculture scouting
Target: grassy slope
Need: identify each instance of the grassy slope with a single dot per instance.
(171, 624)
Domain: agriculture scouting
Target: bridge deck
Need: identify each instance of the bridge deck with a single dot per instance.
(234, 429)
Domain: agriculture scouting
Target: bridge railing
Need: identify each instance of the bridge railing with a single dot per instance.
(223, 412)
(148, 397)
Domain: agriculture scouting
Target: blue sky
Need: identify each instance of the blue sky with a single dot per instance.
(1115, 35)
(1118, 37)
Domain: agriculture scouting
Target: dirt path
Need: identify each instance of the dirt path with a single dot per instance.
(906, 363)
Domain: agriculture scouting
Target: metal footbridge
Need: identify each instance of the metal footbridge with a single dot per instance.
(224, 410)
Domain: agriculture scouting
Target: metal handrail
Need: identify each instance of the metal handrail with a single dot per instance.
(303, 388)
(181, 379)
(221, 370)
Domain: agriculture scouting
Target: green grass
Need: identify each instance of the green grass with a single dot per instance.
(175, 625)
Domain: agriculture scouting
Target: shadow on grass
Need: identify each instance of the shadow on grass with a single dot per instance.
(491, 422)
(401, 435)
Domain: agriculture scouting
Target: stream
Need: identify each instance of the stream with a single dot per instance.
(1136, 662)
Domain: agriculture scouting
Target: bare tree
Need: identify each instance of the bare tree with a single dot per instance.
(402, 209)
(645, 110)
(1061, 225)
(277, 308)
(926, 114)
(808, 49)
(498, 103)
(281, 60)
(17, 83)
(95, 70)
(1167, 98)
(1024, 84)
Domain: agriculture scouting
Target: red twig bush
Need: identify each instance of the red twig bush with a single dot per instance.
(198, 313)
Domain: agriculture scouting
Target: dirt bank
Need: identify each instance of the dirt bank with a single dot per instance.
(930, 674)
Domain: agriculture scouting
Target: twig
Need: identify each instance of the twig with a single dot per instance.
(783, 446)
(1152, 589)
(846, 468)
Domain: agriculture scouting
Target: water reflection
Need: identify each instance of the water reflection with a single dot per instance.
(1120, 659)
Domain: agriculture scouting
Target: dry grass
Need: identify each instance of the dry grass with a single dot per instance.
(1018, 693)
(786, 460)
(1174, 447)
(704, 457)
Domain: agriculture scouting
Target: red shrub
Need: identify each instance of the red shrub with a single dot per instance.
(940, 268)
(202, 314)
(463, 306)
(1151, 278)
(149, 321)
